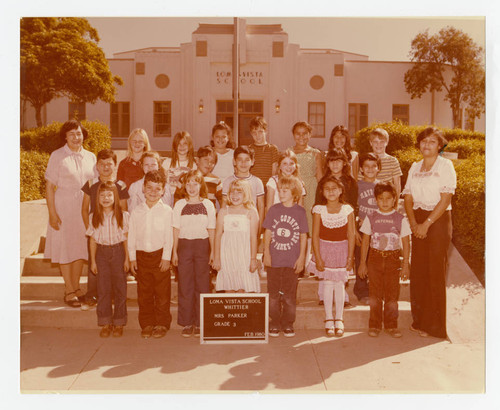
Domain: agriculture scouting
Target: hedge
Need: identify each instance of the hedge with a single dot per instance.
(466, 147)
(32, 170)
(46, 139)
(403, 136)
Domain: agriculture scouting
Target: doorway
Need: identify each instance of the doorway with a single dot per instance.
(246, 111)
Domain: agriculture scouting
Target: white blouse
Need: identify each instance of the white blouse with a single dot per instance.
(426, 187)
(224, 166)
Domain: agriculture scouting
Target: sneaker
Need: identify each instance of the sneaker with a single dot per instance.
(106, 331)
(187, 331)
(394, 332)
(196, 331)
(289, 332)
(130, 277)
(274, 332)
(159, 331)
(373, 332)
(147, 332)
(89, 304)
(348, 305)
(118, 331)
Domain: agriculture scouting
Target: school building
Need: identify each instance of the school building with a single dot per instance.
(169, 89)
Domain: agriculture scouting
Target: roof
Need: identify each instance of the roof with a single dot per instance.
(229, 29)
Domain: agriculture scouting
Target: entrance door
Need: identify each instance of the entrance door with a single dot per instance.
(246, 111)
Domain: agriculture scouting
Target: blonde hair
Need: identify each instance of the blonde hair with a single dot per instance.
(288, 153)
(144, 135)
(378, 133)
(292, 183)
(245, 187)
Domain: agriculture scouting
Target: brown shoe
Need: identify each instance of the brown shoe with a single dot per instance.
(147, 332)
(106, 331)
(159, 331)
(118, 331)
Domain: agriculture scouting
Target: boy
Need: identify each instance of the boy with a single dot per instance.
(243, 161)
(150, 250)
(369, 166)
(266, 155)
(106, 167)
(390, 171)
(285, 243)
(383, 231)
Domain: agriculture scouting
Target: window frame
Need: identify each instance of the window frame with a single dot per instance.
(123, 132)
(159, 113)
(357, 117)
(71, 109)
(314, 123)
(398, 117)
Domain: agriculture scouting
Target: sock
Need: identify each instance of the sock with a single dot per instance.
(328, 300)
(339, 299)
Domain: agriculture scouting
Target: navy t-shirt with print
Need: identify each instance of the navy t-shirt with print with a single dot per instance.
(286, 224)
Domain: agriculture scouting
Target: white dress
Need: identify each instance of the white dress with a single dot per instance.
(235, 256)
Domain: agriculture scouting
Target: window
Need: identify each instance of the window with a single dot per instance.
(140, 68)
(120, 119)
(338, 70)
(358, 117)
(316, 117)
(162, 119)
(201, 49)
(278, 49)
(76, 111)
(401, 112)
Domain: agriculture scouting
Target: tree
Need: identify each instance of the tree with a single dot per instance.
(60, 57)
(449, 60)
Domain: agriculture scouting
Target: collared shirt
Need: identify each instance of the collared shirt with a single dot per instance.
(150, 229)
(109, 233)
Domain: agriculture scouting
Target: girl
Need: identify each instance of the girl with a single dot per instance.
(109, 259)
(288, 165)
(333, 248)
(181, 162)
(150, 161)
(235, 255)
(311, 164)
(194, 229)
(340, 138)
(222, 141)
(130, 168)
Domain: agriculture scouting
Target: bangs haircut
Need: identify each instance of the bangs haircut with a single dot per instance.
(198, 177)
(98, 215)
(222, 126)
(106, 154)
(320, 198)
(288, 153)
(370, 156)
(142, 133)
(293, 184)
(175, 145)
(382, 187)
(378, 133)
(432, 131)
(257, 122)
(304, 124)
(151, 154)
(69, 126)
(157, 177)
(244, 149)
(206, 151)
(340, 129)
(243, 186)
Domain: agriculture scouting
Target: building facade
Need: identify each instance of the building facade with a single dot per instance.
(169, 89)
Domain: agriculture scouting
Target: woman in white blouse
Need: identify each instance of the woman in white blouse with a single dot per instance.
(430, 185)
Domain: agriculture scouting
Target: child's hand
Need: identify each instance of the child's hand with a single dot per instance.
(93, 267)
(126, 265)
(216, 264)
(133, 267)
(320, 265)
(405, 272)
(254, 265)
(299, 265)
(267, 259)
(175, 259)
(164, 265)
(211, 258)
(350, 264)
(54, 221)
(362, 270)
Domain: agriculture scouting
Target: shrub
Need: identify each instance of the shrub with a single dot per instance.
(466, 147)
(469, 207)
(46, 139)
(407, 157)
(403, 136)
(32, 170)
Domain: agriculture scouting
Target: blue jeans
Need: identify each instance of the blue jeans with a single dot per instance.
(194, 278)
(282, 289)
(111, 285)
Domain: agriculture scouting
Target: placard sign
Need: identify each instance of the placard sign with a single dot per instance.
(234, 317)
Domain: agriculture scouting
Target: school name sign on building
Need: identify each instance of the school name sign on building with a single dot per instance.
(234, 318)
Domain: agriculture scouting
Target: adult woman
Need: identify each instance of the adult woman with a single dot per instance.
(68, 169)
(430, 185)
(340, 138)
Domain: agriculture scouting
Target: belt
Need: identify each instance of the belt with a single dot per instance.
(385, 254)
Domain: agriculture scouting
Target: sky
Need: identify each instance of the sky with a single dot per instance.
(385, 39)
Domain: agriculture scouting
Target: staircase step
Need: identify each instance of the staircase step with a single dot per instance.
(38, 265)
(52, 287)
(54, 313)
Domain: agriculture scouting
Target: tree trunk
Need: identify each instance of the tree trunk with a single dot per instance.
(457, 118)
(38, 115)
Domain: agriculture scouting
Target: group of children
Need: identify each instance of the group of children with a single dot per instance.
(205, 212)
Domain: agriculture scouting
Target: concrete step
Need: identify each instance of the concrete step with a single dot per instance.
(54, 313)
(37, 265)
(52, 287)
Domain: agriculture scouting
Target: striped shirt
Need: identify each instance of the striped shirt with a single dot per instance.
(390, 168)
(265, 157)
(109, 233)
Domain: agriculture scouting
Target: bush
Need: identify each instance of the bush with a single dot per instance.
(469, 207)
(32, 170)
(403, 136)
(406, 158)
(46, 139)
(466, 147)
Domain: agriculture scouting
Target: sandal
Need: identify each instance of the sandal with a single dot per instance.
(74, 302)
(82, 298)
(330, 331)
(339, 331)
